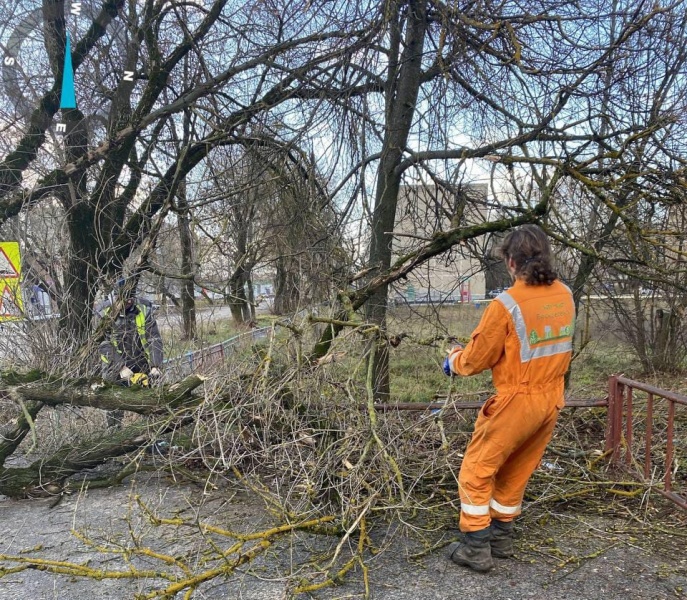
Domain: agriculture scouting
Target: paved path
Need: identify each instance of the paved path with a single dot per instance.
(572, 557)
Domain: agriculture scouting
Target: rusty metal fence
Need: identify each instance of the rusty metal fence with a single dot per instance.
(643, 423)
(643, 437)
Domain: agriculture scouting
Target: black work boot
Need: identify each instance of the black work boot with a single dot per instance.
(474, 551)
(502, 539)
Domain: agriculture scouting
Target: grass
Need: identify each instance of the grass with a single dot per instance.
(210, 331)
(600, 359)
(225, 329)
(416, 374)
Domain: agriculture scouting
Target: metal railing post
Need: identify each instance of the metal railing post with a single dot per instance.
(613, 401)
(628, 428)
(649, 432)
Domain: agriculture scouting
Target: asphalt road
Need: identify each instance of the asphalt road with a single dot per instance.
(572, 557)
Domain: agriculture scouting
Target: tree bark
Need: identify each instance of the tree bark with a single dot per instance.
(110, 397)
(238, 302)
(47, 475)
(402, 88)
(78, 294)
(188, 302)
(286, 294)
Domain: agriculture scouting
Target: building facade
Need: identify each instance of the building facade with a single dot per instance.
(458, 275)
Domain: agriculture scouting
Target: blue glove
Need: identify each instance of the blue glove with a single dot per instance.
(447, 368)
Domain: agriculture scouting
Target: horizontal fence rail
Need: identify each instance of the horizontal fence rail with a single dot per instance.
(638, 435)
(632, 413)
(473, 404)
(204, 359)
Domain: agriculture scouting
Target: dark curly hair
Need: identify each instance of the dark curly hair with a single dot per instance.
(529, 248)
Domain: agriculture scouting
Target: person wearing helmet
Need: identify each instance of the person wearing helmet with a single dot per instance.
(132, 351)
(525, 338)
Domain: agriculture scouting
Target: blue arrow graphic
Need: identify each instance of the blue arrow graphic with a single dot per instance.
(68, 99)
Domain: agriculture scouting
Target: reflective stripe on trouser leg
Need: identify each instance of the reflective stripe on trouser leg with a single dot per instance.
(475, 489)
(474, 510)
(511, 433)
(502, 509)
(483, 457)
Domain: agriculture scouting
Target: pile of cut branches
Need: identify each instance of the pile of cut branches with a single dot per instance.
(306, 438)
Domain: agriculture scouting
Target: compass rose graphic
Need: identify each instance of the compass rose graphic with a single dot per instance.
(68, 98)
(27, 74)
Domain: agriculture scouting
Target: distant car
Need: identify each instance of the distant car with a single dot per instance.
(495, 292)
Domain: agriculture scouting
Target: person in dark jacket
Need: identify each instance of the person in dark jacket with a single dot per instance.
(131, 353)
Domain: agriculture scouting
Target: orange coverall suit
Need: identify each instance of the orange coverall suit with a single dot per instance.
(525, 338)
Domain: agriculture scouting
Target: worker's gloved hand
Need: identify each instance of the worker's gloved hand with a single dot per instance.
(155, 373)
(126, 374)
(447, 362)
(140, 379)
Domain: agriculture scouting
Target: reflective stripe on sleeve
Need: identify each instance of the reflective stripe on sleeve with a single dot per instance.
(141, 328)
(527, 353)
(475, 510)
(504, 510)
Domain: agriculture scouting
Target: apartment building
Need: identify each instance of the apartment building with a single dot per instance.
(461, 274)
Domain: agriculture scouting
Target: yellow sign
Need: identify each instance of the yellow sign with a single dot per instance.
(11, 304)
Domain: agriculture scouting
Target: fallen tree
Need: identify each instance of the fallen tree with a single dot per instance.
(47, 475)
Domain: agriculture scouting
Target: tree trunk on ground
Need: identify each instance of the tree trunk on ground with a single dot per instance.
(47, 475)
(14, 434)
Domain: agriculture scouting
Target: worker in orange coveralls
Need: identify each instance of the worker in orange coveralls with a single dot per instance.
(525, 338)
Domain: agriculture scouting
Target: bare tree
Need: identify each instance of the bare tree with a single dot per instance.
(455, 88)
(103, 180)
